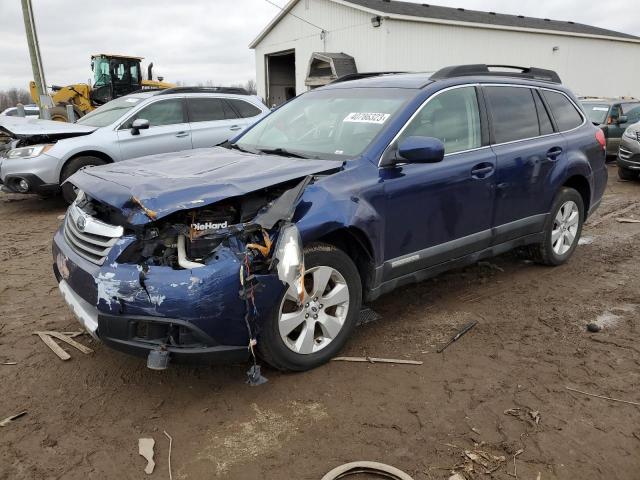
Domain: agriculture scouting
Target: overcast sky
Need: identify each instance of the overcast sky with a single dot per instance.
(198, 40)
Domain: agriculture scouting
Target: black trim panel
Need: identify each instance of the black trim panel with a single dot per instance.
(449, 251)
(470, 259)
(119, 333)
(36, 184)
(459, 247)
(519, 228)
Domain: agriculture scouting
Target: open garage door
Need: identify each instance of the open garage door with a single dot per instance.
(281, 77)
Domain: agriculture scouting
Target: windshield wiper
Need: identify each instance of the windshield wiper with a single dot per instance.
(235, 146)
(281, 152)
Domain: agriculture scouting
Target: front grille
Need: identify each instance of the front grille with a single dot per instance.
(624, 153)
(88, 237)
(638, 135)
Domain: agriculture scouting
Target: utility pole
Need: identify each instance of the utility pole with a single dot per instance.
(34, 49)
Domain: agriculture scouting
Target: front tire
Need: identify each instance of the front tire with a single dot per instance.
(300, 337)
(626, 174)
(68, 190)
(562, 230)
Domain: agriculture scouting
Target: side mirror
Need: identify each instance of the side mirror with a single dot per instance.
(139, 124)
(622, 119)
(417, 150)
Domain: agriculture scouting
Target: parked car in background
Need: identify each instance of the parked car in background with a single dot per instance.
(29, 111)
(340, 195)
(613, 116)
(45, 153)
(629, 153)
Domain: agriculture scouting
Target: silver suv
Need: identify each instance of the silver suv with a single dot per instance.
(42, 154)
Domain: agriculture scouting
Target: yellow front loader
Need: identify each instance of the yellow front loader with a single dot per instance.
(113, 76)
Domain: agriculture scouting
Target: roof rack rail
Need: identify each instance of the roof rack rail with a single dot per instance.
(482, 69)
(146, 90)
(234, 90)
(357, 76)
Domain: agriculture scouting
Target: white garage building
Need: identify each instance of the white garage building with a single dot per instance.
(345, 36)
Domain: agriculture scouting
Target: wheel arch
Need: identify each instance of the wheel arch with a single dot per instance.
(355, 243)
(582, 186)
(86, 153)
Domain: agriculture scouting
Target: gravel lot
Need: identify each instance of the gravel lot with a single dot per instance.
(85, 415)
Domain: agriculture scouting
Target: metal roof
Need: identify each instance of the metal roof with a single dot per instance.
(114, 55)
(425, 10)
(461, 16)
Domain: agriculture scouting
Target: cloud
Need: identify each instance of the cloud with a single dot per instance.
(192, 41)
(198, 40)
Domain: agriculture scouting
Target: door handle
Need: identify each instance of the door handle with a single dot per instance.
(554, 153)
(182, 134)
(482, 170)
(234, 128)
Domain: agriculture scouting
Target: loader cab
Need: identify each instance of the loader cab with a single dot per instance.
(114, 76)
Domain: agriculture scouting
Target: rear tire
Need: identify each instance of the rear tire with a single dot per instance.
(68, 190)
(562, 229)
(291, 339)
(626, 174)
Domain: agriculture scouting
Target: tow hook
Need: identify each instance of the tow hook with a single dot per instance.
(158, 358)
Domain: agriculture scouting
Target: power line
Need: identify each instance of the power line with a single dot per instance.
(294, 15)
(315, 34)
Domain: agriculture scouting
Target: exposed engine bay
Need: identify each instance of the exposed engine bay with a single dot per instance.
(191, 238)
(255, 228)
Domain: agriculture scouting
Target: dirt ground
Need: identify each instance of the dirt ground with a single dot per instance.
(85, 415)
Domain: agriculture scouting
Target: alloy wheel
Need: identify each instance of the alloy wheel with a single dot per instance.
(310, 326)
(565, 227)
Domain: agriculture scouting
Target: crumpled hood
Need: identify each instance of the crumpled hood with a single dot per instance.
(27, 127)
(171, 182)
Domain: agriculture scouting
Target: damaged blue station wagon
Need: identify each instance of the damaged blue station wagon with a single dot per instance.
(272, 242)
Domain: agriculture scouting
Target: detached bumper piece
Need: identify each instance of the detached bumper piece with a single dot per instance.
(184, 342)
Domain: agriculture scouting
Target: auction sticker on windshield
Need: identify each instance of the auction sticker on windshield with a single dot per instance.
(358, 117)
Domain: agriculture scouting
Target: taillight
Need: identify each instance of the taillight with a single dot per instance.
(601, 140)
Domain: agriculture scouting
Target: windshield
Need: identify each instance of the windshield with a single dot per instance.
(597, 112)
(335, 123)
(109, 112)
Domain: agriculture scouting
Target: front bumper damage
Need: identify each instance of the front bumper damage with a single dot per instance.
(210, 312)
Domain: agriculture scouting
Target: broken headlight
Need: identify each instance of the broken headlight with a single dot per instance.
(290, 259)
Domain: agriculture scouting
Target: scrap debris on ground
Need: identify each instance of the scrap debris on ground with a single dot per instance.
(12, 418)
(604, 397)
(48, 338)
(145, 449)
(377, 360)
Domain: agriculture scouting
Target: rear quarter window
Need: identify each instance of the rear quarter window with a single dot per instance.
(244, 109)
(564, 112)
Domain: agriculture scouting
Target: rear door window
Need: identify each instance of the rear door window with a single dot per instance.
(564, 112)
(244, 109)
(513, 113)
(452, 117)
(209, 109)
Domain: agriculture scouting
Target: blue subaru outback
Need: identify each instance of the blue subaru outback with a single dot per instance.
(271, 243)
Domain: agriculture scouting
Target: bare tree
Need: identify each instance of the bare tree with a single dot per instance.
(250, 86)
(13, 96)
